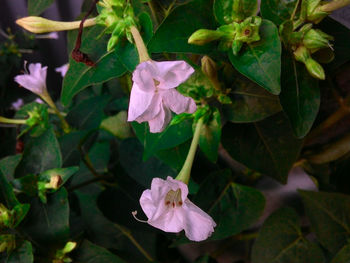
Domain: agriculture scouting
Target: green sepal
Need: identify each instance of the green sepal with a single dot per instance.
(315, 69)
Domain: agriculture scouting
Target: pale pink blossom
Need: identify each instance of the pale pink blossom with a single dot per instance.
(35, 79)
(167, 207)
(153, 95)
(38, 100)
(62, 69)
(17, 104)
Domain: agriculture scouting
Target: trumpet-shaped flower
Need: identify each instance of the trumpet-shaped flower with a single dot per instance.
(153, 95)
(62, 69)
(35, 79)
(167, 207)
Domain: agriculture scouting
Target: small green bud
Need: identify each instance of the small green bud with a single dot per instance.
(316, 39)
(209, 67)
(301, 54)
(315, 69)
(203, 36)
(314, 12)
(236, 47)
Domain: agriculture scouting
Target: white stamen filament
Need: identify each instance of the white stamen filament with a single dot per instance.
(134, 213)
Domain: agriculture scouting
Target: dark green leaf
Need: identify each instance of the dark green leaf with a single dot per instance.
(7, 195)
(99, 229)
(88, 114)
(300, 96)
(225, 13)
(143, 172)
(210, 136)
(36, 7)
(90, 253)
(173, 33)
(343, 256)
(22, 254)
(234, 207)
(175, 157)
(329, 215)
(277, 11)
(49, 223)
(172, 136)
(280, 240)
(40, 154)
(118, 125)
(261, 61)
(8, 165)
(267, 146)
(79, 75)
(250, 102)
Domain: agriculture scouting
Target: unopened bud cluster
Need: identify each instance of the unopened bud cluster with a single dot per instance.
(232, 35)
(117, 16)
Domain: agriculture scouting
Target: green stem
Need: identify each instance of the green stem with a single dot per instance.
(140, 45)
(185, 172)
(47, 98)
(134, 241)
(12, 121)
(334, 5)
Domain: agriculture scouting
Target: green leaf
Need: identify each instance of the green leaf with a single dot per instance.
(210, 135)
(49, 223)
(175, 157)
(9, 164)
(250, 102)
(172, 136)
(179, 26)
(331, 210)
(98, 229)
(130, 151)
(280, 240)
(79, 75)
(300, 96)
(118, 125)
(90, 253)
(226, 11)
(40, 154)
(36, 7)
(22, 254)
(88, 114)
(7, 195)
(343, 256)
(234, 207)
(277, 11)
(267, 146)
(261, 61)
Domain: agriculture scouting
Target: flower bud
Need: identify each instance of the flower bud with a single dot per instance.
(315, 69)
(301, 54)
(55, 182)
(316, 39)
(203, 36)
(209, 67)
(36, 24)
(314, 12)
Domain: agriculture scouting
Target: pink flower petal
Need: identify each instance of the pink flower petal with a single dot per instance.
(198, 225)
(144, 76)
(139, 102)
(178, 103)
(173, 73)
(62, 69)
(153, 110)
(159, 123)
(35, 80)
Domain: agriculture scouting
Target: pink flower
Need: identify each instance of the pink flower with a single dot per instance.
(153, 93)
(62, 69)
(35, 79)
(167, 207)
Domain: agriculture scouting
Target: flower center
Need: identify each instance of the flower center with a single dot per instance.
(173, 198)
(156, 84)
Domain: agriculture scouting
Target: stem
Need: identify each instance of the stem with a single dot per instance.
(134, 241)
(185, 172)
(12, 121)
(47, 98)
(334, 5)
(140, 45)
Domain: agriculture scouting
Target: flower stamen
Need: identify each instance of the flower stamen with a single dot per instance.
(134, 213)
(173, 198)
